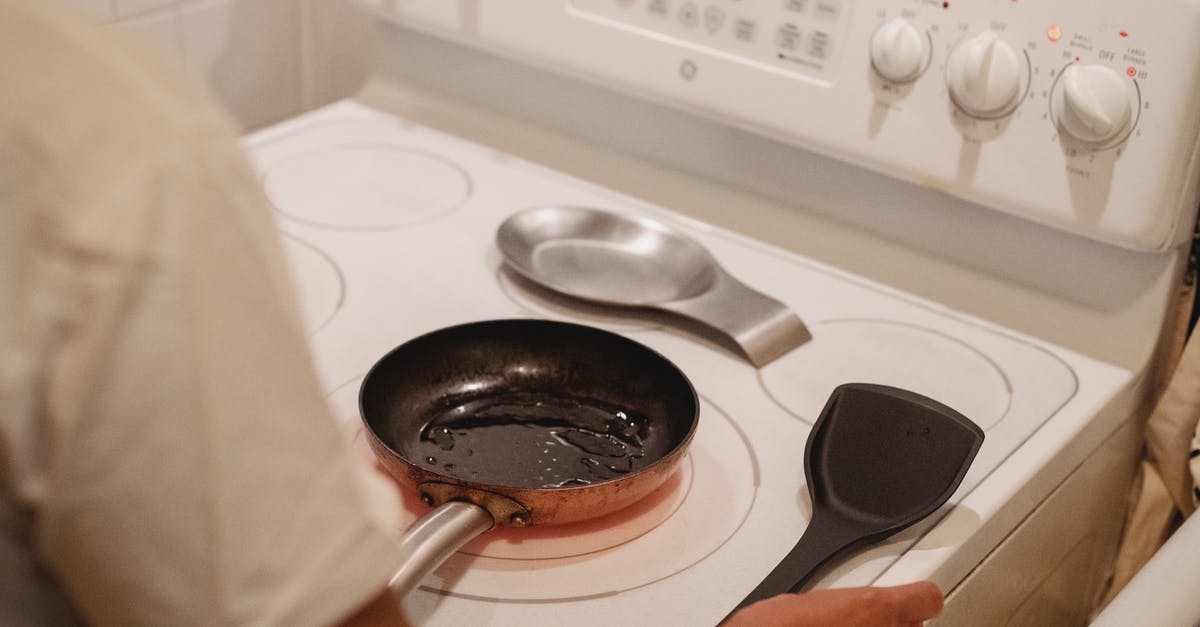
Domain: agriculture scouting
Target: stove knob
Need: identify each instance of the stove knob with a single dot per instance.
(1093, 103)
(984, 75)
(898, 51)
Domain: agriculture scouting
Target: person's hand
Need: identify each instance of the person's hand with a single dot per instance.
(899, 606)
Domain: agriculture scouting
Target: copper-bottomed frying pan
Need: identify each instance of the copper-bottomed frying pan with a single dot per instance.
(522, 422)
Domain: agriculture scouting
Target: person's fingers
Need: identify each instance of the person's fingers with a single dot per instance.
(897, 606)
(874, 606)
(912, 602)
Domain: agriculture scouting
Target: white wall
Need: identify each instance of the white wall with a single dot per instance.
(338, 39)
(266, 60)
(250, 52)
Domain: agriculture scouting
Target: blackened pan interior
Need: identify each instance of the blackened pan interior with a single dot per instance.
(528, 404)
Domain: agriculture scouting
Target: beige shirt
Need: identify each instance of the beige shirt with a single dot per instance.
(166, 456)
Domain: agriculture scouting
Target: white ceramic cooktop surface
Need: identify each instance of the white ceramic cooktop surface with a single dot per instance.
(390, 227)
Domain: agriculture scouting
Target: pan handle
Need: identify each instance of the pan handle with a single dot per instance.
(433, 539)
(764, 328)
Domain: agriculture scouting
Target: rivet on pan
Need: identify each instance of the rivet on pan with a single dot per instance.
(518, 520)
(427, 499)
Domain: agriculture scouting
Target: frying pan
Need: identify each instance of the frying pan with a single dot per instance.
(878, 460)
(521, 422)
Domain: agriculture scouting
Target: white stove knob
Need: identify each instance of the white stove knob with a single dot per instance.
(898, 51)
(984, 74)
(1093, 103)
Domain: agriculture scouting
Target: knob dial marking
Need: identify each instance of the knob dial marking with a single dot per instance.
(1094, 104)
(985, 76)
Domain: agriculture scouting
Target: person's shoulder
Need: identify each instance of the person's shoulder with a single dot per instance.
(72, 77)
(94, 122)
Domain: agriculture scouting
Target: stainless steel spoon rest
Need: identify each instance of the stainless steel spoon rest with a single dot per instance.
(612, 259)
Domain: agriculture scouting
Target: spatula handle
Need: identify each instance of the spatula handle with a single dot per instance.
(822, 540)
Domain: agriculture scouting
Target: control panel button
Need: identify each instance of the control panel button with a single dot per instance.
(796, 6)
(689, 14)
(898, 51)
(788, 38)
(714, 17)
(985, 76)
(1093, 103)
(828, 9)
(743, 30)
(818, 45)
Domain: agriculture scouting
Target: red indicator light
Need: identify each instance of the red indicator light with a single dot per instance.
(1077, 59)
(1054, 33)
(1131, 71)
(1124, 33)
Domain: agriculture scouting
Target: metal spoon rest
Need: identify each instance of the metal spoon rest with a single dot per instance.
(625, 261)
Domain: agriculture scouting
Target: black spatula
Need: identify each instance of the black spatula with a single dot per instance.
(878, 460)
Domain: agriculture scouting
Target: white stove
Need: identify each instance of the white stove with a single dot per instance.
(390, 225)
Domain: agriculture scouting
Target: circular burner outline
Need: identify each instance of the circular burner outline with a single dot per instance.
(756, 473)
(333, 409)
(995, 365)
(687, 491)
(403, 148)
(337, 270)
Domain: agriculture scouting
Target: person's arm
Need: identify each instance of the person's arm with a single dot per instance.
(186, 467)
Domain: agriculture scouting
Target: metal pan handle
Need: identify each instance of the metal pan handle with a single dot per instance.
(433, 539)
(764, 328)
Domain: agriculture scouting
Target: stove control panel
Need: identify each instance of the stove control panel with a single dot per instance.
(802, 37)
(1083, 115)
